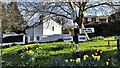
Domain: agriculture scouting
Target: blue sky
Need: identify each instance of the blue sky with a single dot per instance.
(91, 12)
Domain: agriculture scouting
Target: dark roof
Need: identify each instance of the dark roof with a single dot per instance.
(34, 25)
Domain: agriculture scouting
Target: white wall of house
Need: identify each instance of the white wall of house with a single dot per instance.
(101, 17)
(30, 34)
(34, 34)
(50, 27)
(38, 32)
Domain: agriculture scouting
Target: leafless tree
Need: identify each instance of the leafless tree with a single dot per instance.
(64, 10)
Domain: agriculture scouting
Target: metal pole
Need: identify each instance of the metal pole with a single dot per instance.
(118, 45)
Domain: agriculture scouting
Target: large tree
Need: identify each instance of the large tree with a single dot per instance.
(67, 10)
(12, 20)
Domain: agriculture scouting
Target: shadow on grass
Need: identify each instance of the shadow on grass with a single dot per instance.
(104, 46)
(15, 59)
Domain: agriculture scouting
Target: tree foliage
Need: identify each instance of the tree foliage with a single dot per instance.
(12, 20)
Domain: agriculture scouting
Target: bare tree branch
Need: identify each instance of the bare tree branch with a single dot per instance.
(92, 6)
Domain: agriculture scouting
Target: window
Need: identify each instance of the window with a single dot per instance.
(53, 28)
(38, 38)
(102, 20)
(89, 19)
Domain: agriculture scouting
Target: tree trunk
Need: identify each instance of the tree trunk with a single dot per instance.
(80, 20)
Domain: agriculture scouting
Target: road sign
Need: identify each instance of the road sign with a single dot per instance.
(116, 37)
(82, 38)
(86, 30)
(68, 39)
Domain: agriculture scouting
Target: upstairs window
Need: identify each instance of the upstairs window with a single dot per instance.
(53, 28)
(89, 19)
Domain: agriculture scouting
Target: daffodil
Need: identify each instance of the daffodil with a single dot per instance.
(85, 57)
(98, 58)
(73, 60)
(101, 52)
(108, 59)
(26, 51)
(93, 55)
(66, 60)
(70, 60)
(96, 53)
(106, 62)
(77, 60)
(30, 52)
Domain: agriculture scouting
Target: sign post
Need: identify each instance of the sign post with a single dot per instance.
(86, 30)
(118, 42)
(82, 38)
(77, 38)
(68, 39)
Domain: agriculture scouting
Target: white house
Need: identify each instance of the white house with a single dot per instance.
(38, 31)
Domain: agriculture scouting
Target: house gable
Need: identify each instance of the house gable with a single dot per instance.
(51, 27)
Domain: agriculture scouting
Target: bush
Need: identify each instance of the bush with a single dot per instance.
(97, 38)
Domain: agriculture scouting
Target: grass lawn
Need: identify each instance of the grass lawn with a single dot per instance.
(59, 53)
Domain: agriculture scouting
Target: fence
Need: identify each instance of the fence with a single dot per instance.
(9, 39)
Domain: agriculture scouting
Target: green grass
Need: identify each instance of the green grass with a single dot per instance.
(50, 53)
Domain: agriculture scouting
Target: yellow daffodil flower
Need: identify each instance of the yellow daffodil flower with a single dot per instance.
(66, 60)
(98, 58)
(101, 52)
(77, 61)
(106, 62)
(93, 55)
(70, 60)
(30, 52)
(27, 51)
(96, 53)
(85, 57)
(73, 60)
